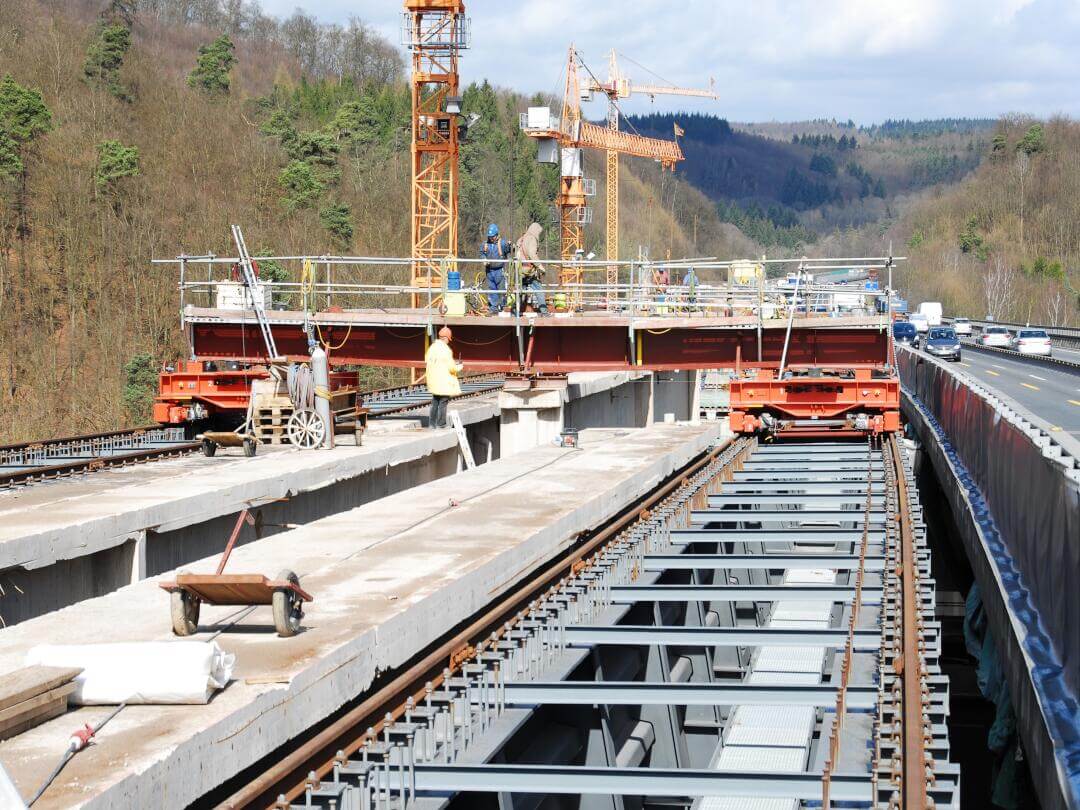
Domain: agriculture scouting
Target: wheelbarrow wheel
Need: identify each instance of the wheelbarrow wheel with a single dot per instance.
(250, 446)
(185, 612)
(208, 448)
(288, 606)
(306, 429)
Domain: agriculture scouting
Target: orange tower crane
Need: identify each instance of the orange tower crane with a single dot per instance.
(435, 31)
(618, 87)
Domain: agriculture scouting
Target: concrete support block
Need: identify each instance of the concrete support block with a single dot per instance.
(138, 556)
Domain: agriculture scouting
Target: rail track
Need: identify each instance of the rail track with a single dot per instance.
(639, 647)
(31, 462)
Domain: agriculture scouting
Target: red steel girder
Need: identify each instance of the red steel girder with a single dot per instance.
(556, 346)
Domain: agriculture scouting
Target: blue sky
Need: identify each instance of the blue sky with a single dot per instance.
(781, 59)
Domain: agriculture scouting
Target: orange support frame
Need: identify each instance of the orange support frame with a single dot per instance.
(831, 400)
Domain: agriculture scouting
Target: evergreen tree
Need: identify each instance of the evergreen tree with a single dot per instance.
(115, 161)
(337, 219)
(212, 69)
(301, 183)
(1034, 140)
(105, 56)
(140, 385)
(23, 118)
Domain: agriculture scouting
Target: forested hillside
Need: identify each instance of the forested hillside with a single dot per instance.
(134, 129)
(788, 184)
(1006, 242)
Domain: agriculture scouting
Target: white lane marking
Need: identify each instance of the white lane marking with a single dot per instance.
(995, 365)
(1037, 377)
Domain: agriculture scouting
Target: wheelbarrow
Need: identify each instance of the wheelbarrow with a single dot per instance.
(188, 591)
(212, 440)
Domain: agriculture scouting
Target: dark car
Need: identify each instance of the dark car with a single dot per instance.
(941, 341)
(904, 332)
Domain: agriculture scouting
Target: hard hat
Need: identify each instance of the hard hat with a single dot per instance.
(446, 333)
(493, 230)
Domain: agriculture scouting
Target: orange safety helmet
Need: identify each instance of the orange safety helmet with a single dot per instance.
(446, 333)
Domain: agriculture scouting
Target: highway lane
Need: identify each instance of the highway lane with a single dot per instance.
(1048, 392)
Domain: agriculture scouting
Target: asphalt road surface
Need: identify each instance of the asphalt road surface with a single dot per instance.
(1049, 392)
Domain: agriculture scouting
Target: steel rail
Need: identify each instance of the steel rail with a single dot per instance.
(914, 795)
(832, 759)
(317, 756)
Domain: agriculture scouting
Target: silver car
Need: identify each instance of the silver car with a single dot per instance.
(962, 326)
(997, 336)
(1032, 341)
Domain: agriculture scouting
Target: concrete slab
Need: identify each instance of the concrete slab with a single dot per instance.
(75, 517)
(388, 578)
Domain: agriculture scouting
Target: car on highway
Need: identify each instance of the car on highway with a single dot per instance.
(941, 341)
(919, 321)
(997, 336)
(1032, 341)
(962, 326)
(905, 332)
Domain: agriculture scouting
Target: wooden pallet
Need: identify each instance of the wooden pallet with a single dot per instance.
(270, 418)
(32, 695)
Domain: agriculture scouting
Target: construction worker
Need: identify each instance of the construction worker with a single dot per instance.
(690, 282)
(441, 377)
(495, 252)
(532, 270)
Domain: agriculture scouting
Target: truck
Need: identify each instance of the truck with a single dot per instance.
(932, 311)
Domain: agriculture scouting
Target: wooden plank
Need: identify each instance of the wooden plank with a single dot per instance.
(24, 683)
(229, 589)
(36, 710)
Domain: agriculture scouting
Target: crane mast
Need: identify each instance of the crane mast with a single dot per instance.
(435, 32)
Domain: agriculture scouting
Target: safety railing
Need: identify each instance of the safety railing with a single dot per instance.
(706, 287)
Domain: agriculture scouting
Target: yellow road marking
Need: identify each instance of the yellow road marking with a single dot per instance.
(965, 365)
(1074, 402)
(1054, 428)
(1029, 385)
(988, 371)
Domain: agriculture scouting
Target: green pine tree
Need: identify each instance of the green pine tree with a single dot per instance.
(105, 56)
(212, 69)
(115, 161)
(301, 184)
(337, 219)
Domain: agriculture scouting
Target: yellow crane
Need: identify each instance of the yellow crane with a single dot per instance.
(618, 86)
(435, 32)
(562, 140)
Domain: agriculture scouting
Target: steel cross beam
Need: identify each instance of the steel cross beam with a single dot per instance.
(800, 516)
(803, 536)
(701, 562)
(740, 593)
(815, 500)
(632, 693)
(646, 635)
(578, 780)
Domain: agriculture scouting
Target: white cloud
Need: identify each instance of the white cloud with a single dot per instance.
(783, 59)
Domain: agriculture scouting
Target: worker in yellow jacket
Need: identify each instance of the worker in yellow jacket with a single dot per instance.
(442, 376)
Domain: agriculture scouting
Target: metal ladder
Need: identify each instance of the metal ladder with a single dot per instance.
(251, 282)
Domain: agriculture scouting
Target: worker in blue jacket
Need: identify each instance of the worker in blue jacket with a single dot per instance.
(495, 251)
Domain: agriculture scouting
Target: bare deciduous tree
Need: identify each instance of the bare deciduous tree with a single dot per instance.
(998, 287)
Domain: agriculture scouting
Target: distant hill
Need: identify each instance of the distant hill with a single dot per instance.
(819, 174)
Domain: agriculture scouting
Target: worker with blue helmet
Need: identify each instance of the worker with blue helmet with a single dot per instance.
(495, 251)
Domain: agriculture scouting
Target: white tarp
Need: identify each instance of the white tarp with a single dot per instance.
(147, 672)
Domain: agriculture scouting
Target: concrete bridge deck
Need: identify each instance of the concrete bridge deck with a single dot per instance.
(388, 578)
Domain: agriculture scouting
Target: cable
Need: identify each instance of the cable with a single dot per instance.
(79, 740)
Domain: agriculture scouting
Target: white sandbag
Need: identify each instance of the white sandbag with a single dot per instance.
(148, 672)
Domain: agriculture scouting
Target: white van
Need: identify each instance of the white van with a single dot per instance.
(932, 311)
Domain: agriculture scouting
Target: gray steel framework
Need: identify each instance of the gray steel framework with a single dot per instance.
(658, 643)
